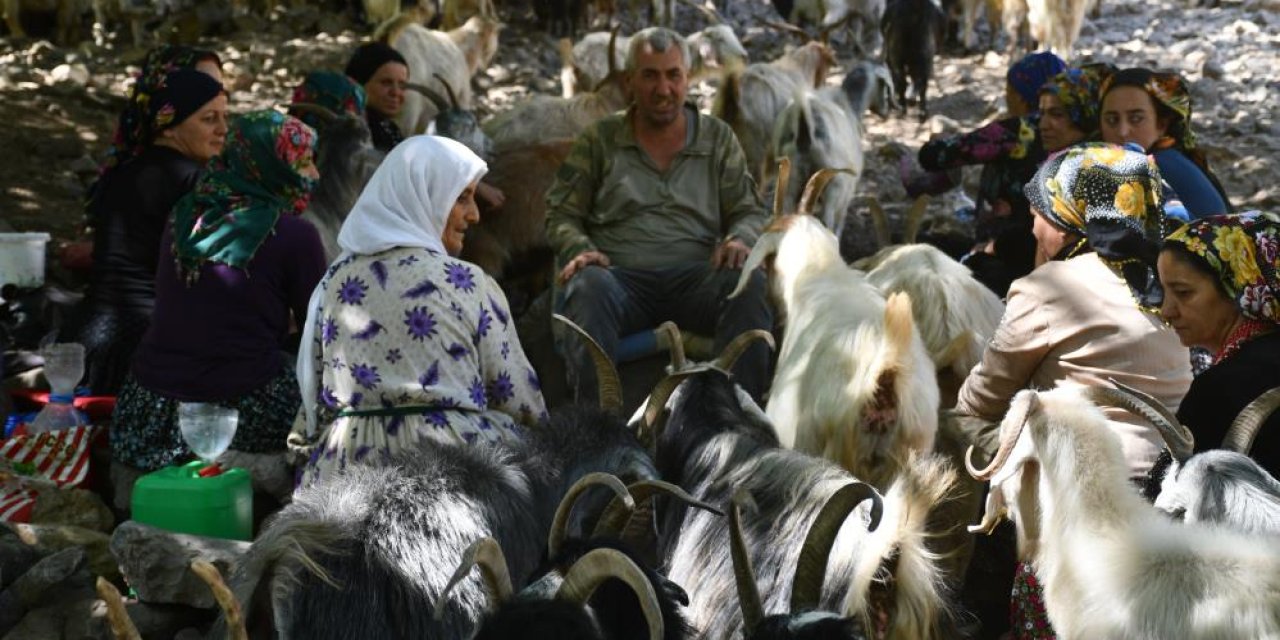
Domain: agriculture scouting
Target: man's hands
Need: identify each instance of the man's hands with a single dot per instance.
(730, 254)
(579, 262)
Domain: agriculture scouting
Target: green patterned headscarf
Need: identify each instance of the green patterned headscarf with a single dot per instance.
(1244, 251)
(244, 191)
(1112, 194)
(331, 90)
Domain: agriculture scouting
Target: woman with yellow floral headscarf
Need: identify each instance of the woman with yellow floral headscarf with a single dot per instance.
(1222, 293)
(1086, 315)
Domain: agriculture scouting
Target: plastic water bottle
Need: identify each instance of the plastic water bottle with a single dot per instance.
(63, 367)
(208, 428)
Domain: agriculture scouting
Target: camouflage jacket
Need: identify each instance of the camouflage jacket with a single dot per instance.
(609, 196)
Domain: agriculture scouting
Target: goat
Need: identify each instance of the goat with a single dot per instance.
(455, 13)
(829, 15)
(510, 243)
(955, 314)
(712, 441)
(913, 32)
(1226, 487)
(439, 57)
(452, 121)
(381, 532)
(347, 159)
(66, 12)
(1111, 566)
(854, 383)
(543, 118)
(1055, 24)
(823, 130)
(561, 18)
(751, 99)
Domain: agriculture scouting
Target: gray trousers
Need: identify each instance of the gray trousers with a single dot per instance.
(612, 302)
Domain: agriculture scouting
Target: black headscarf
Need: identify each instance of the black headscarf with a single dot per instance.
(369, 58)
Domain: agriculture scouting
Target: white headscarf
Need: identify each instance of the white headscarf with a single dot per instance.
(405, 204)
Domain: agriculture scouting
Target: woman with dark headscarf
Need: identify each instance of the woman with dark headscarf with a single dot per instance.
(1153, 110)
(383, 73)
(235, 266)
(183, 123)
(1086, 316)
(1221, 277)
(1069, 106)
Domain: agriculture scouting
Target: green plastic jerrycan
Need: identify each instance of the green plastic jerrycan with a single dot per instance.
(178, 499)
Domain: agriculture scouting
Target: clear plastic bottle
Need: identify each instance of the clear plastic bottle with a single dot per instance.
(63, 367)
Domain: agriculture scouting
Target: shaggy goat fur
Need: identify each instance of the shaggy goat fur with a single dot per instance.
(346, 161)
(1225, 487)
(854, 383)
(751, 99)
(713, 444)
(1111, 565)
(393, 535)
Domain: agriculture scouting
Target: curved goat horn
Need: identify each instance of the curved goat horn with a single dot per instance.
(1007, 441)
(915, 215)
(611, 51)
(226, 600)
(811, 568)
(328, 115)
(657, 402)
(1177, 437)
(616, 516)
(676, 345)
(560, 524)
(814, 188)
(739, 345)
(486, 553)
(122, 627)
(453, 98)
(1245, 427)
(780, 187)
(431, 94)
(880, 222)
(743, 574)
(606, 374)
(599, 565)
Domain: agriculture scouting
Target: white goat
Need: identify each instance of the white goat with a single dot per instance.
(750, 100)
(955, 314)
(545, 118)
(823, 130)
(1228, 486)
(453, 55)
(714, 48)
(1055, 24)
(854, 383)
(1111, 565)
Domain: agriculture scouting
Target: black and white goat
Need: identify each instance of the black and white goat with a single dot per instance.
(1111, 565)
(713, 441)
(368, 553)
(913, 31)
(346, 160)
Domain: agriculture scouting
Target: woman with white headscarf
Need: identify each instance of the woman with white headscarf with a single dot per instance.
(403, 341)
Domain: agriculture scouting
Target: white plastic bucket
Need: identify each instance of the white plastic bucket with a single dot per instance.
(22, 259)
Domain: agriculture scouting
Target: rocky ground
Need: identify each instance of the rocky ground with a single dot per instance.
(58, 108)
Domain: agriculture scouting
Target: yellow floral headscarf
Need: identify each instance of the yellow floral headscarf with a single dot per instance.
(1244, 251)
(1110, 195)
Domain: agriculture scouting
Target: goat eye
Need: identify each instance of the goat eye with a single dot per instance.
(1178, 514)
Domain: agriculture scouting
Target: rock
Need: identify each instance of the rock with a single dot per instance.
(74, 507)
(155, 562)
(72, 620)
(59, 577)
(154, 621)
(16, 557)
(1212, 69)
(271, 472)
(53, 538)
(74, 74)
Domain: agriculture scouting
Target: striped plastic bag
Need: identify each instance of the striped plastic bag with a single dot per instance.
(31, 462)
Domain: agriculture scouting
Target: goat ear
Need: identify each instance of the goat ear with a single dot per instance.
(899, 326)
(880, 222)
(915, 216)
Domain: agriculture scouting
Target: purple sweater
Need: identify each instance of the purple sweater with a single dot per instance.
(222, 337)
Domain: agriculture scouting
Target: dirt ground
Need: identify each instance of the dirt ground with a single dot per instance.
(58, 105)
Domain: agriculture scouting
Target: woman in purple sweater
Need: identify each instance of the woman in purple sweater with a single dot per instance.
(236, 270)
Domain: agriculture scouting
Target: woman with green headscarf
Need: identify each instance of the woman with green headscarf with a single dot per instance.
(1221, 277)
(1087, 315)
(236, 270)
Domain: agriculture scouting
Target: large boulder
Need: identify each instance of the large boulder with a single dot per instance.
(74, 507)
(16, 557)
(53, 538)
(59, 578)
(156, 563)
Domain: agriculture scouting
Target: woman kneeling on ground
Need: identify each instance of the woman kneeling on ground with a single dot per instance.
(403, 341)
